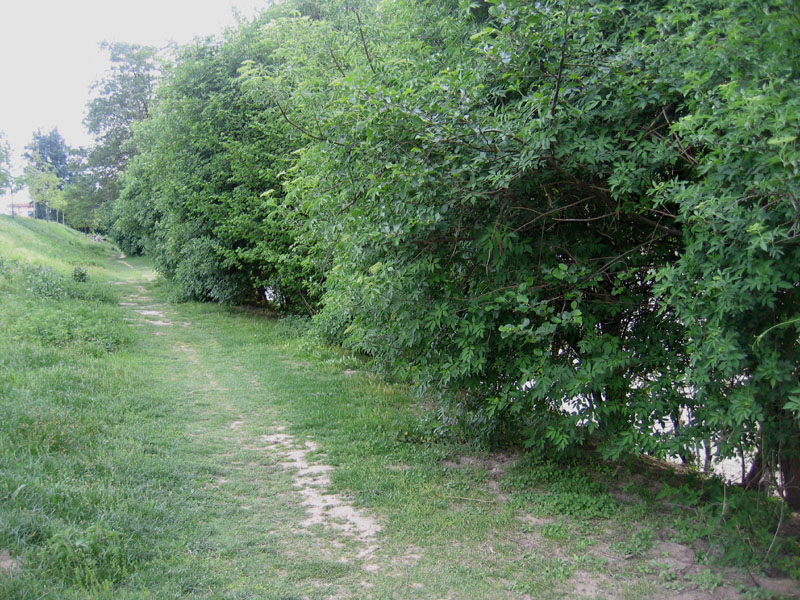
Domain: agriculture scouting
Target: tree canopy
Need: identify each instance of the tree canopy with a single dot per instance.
(47, 172)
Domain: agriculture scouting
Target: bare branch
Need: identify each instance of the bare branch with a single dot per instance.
(364, 41)
(302, 129)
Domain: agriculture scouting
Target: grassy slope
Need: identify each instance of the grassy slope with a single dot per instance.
(41, 243)
(133, 464)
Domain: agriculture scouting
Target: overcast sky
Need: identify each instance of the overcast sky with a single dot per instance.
(50, 55)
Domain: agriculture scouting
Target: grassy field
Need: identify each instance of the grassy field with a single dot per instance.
(158, 450)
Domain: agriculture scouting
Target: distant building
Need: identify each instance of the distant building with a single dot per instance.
(23, 210)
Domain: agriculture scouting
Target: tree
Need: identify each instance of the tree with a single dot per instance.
(87, 202)
(6, 179)
(46, 189)
(735, 285)
(577, 221)
(123, 97)
(50, 149)
(573, 222)
(47, 172)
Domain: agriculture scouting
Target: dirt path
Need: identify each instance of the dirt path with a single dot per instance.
(250, 445)
(274, 489)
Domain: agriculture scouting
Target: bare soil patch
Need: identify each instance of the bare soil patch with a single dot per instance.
(330, 511)
(7, 563)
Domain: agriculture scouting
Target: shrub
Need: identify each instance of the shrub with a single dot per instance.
(80, 274)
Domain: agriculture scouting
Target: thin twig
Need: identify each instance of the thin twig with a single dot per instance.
(349, 204)
(302, 129)
(364, 42)
(561, 63)
(336, 61)
(774, 537)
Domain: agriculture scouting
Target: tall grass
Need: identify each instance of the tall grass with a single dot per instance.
(78, 416)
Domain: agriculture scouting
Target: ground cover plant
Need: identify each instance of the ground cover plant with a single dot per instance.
(206, 451)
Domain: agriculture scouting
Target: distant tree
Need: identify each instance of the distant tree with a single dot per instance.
(123, 97)
(84, 198)
(204, 195)
(47, 171)
(50, 149)
(6, 179)
(45, 188)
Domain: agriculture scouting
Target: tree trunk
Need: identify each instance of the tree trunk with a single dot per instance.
(753, 478)
(790, 475)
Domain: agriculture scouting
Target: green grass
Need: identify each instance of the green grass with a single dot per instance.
(47, 244)
(133, 462)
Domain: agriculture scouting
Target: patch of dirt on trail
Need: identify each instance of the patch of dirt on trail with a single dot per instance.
(590, 586)
(151, 313)
(328, 510)
(7, 564)
(140, 303)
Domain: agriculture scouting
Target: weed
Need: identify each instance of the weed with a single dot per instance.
(668, 578)
(87, 556)
(552, 488)
(43, 282)
(758, 593)
(542, 575)
(738, 527)
(647, 568)
(590, 563)
(555, 531)
(705, 579)
(80, 274)
(636, 544)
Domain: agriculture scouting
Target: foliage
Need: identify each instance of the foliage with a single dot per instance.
(735, 285)
(573, 223)
(471, 251)
(84, 200)
(80, 274)
(49, 149)
(121, 99)
(62, 311)
(552, 488)
(735, 527)
(204, 197)
(6, 179)
(515, 224)
(45, 188)
(47, 171)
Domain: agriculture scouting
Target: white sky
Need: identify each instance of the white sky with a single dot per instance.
(50, 55)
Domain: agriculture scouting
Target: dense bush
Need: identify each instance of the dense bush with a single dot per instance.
(203, 197)
(573, 222)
